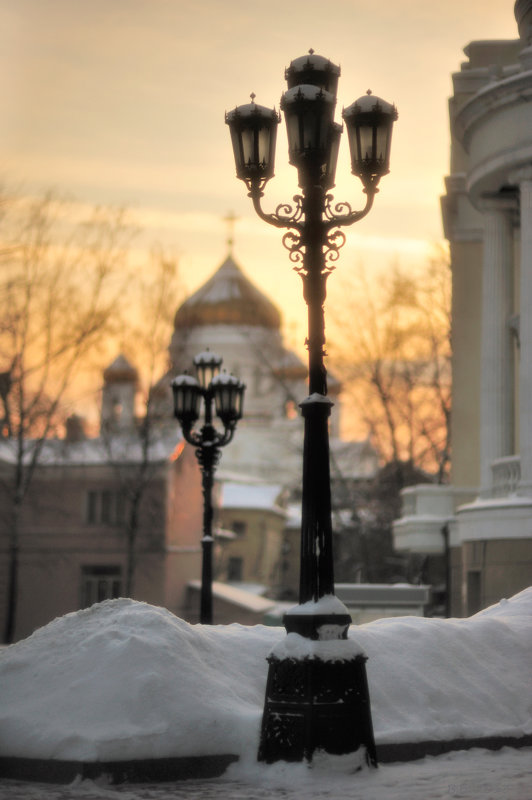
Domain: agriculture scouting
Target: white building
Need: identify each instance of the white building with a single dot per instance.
(487, 217)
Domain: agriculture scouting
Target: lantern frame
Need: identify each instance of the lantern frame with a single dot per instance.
(228, 393)
(308, 112)
(253, 131)
(369, 122)
(187, 395)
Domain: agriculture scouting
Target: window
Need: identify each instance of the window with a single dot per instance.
(239, 527)
(100, 583)
(105, 507)
(234, 569)
(473, 592)
(92, 506)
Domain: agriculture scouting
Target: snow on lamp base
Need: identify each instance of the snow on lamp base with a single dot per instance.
(317, 696)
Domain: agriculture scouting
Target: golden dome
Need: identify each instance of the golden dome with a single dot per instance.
(228, 298)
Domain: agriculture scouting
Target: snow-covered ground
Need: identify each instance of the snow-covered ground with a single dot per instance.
(472, 775)
(125, 680)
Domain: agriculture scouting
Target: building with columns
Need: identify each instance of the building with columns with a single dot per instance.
(482, 523)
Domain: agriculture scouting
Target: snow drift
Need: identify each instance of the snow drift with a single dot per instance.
(126, 680)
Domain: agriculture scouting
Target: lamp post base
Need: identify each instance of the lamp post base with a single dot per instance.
(314, 704)
(317, 696)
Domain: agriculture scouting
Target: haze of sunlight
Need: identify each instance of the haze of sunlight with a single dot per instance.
(124, 103)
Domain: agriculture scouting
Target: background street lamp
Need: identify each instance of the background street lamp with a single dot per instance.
(227, 394)
(312, 702)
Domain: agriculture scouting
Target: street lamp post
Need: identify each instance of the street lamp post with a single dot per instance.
(227, 394)
(314, 701)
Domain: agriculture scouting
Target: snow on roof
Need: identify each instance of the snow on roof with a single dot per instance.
(228, 298)
(126, 448)
(120, 370)
(256, 496)
(251, 601)
(293, 515)
(124, 680)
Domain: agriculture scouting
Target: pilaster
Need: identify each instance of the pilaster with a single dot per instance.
(523, 178)
(496, 367)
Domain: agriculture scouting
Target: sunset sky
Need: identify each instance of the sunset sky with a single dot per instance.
(122, 102)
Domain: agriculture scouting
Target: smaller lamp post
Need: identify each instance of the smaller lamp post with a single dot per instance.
(227, 394)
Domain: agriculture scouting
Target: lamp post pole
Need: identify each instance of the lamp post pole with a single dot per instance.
(313, 702)
(226, 393)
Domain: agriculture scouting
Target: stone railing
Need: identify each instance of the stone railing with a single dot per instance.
(506, 474)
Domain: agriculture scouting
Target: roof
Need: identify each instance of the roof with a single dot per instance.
(236, 596)
(258, 496)
(120, 371)
(125, 448)
(228, 298)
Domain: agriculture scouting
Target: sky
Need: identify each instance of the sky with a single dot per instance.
(122, 102)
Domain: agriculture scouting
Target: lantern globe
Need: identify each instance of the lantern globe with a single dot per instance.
(369, 122)
(207, 366)
(309, 112)
(187, 396)
(228, 394)
(313, 70)
(253, 131)
(329, 168)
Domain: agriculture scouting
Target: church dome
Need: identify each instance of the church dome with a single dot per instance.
(120, 371)
(228, 298)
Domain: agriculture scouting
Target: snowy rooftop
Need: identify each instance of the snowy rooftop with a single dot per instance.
(258, 496)
(228, 298)
(126, 447)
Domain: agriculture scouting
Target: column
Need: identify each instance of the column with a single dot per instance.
(496, 361)
(524, 179)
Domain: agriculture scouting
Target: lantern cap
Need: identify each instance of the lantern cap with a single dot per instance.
(225, 379)
(251, 110)
(207, 357)
(184, 380)
(370, 103)
(314, 70)
(304, 92)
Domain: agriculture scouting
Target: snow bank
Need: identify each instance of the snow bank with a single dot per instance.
(126, 680)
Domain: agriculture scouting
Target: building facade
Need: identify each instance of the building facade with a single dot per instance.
(75, 526)
(482, 523)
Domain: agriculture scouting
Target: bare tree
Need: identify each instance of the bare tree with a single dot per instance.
(393, 354)
(59, 288)
(132, 455)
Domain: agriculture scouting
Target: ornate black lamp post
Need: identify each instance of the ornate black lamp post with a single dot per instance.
(313, 701)
(227, 394)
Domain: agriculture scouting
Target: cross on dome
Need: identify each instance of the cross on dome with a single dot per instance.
(230, 219)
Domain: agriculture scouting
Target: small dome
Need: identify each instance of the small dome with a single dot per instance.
(120, 371)
(228, 298)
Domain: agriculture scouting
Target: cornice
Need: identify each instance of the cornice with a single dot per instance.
(515, 90)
